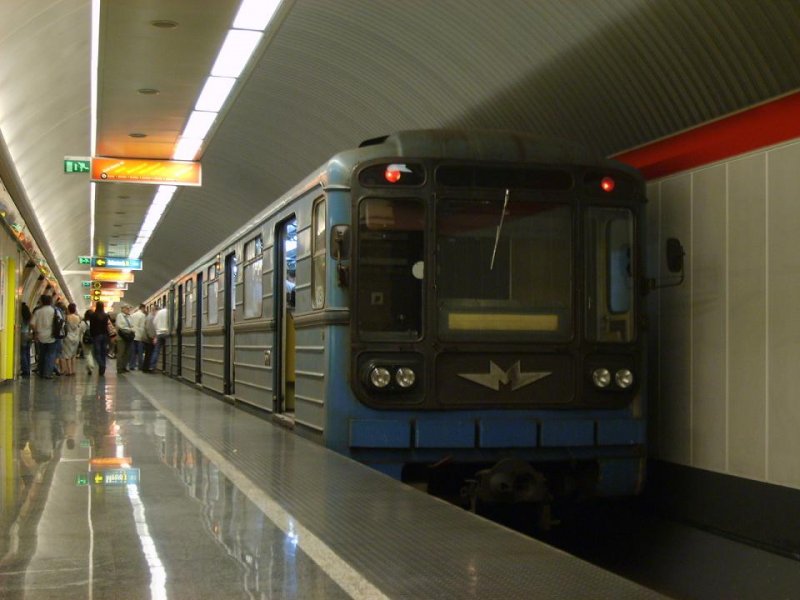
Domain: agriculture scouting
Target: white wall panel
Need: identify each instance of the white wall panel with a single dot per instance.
(709, 357)
(747, 317)
(783, 327)
(729, 337)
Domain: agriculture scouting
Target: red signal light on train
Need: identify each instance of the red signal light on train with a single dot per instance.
(607, 184)
(394, 172)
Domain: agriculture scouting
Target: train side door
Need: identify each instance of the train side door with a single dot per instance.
(198, 329)
(284, 286)
(230, 307)
(179, 332)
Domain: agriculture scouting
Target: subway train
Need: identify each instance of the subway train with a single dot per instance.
(458, 308)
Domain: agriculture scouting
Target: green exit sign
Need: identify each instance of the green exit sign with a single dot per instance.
(77, 164)
(84, 260)
(87, 296)
(86, 283)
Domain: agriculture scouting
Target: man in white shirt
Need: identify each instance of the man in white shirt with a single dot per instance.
(137, 320)
(42, 325)
(161, 325)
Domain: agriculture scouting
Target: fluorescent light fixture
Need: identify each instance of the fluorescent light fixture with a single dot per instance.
(215, 92)
(157, 208)
(187, 148)
(235, 52)
(198, 125)
(255, 14)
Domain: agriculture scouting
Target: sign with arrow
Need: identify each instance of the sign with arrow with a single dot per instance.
(112, 262)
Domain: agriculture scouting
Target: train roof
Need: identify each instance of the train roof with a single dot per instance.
(472, 145)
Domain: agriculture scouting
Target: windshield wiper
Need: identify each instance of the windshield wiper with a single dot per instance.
(499, 228)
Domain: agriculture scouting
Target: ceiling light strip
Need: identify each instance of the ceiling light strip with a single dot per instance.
(240, 44)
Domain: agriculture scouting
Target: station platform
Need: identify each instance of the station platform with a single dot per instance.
(140, 486)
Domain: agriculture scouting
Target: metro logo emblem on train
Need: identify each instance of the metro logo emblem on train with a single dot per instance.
(513, 376)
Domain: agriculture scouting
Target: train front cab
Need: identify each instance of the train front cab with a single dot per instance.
(516, 309)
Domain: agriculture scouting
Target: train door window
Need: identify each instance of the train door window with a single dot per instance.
(212, 302)
(391, 250)
(319, 254)
(286, 247)
(253, 291)
(609, 273)
(189, 302)
(503, 268)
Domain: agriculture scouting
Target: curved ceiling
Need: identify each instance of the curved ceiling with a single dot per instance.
(612, 74)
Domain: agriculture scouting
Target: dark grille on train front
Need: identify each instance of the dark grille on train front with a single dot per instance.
(497, 177)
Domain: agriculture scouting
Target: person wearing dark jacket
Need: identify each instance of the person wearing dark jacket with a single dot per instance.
(101, 330)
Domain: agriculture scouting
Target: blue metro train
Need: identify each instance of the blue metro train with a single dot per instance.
(463, 308)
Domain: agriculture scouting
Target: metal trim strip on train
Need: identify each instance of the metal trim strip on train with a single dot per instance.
(467, 310)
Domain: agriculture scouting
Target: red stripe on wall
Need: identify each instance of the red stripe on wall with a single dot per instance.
(754, 128)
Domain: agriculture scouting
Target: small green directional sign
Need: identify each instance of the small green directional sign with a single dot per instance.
(77, 164)
(84, 260)
(86, 283)
(82, 479)
(87, 296)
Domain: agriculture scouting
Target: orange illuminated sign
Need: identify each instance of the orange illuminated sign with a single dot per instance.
(108, 275)
(111, 461)
(136, 170)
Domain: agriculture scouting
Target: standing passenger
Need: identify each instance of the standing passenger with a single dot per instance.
(69, 346)
(125, 336)
(26, 336)
(42, 324)
(86, 340)
(149, 340)
(161, 325)
(137, 319)
(101, 329)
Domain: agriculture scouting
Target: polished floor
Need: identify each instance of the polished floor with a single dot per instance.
(138, 486)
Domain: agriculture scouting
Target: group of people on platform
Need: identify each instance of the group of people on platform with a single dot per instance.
(59, 334)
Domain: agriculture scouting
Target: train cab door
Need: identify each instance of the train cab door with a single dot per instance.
(230, 307)
(285, 273)
(198, 329)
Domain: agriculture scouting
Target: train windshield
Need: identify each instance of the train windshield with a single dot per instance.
(390, 268)
(504, 268)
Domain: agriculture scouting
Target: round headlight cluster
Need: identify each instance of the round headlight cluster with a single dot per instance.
(601, 378)
(381, 377)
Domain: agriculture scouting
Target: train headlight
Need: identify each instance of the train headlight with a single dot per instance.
(380, 377)
(405, 377)
(601, 377)
(623, 378)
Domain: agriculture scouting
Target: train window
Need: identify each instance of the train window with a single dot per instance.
(390, 280)
(212, 303)
(253, 290)
(189, 303)
(496, 281)
(319, 255)
(609, 273)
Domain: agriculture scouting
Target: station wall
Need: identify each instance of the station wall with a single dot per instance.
(726, 357)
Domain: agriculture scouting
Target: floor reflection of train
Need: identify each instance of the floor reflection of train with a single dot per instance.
(459, 307)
